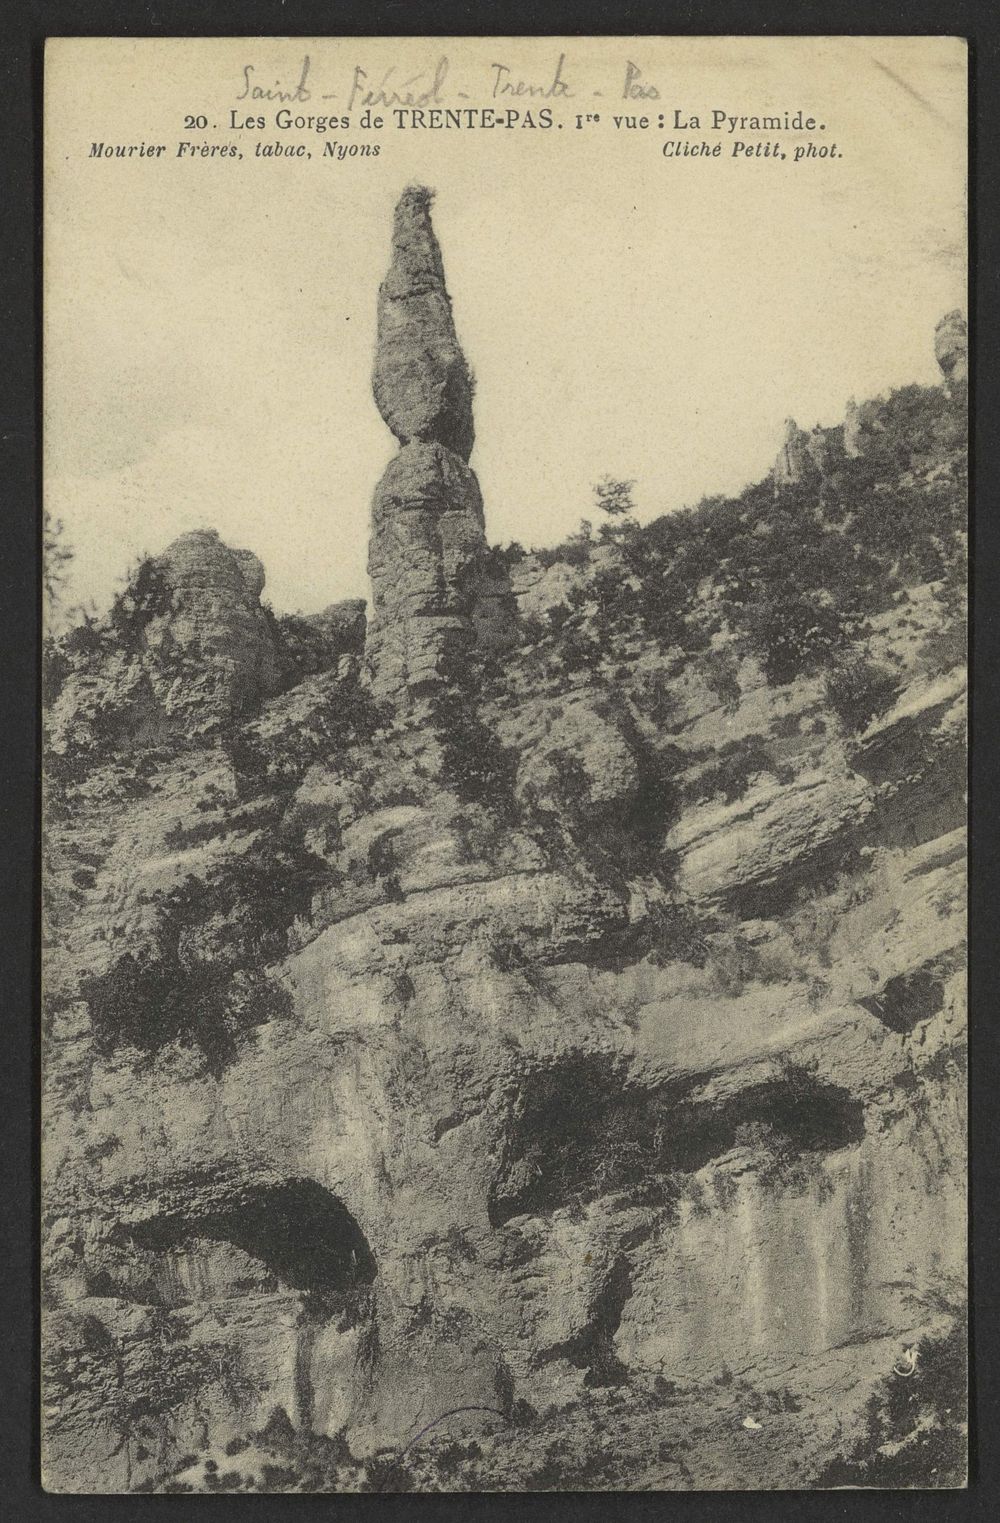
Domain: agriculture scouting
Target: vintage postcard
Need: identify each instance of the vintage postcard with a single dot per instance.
(504, 818)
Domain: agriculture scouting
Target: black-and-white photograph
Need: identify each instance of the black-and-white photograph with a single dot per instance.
(504, 765)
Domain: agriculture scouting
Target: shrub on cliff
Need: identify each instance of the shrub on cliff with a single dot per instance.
(145, 596)
(337, 722)
(475, 763)
(795, 571)
(305, 646)
(304, 649)
(859, 690)
(57, 556)
(181, 987)
(899, 430)
(148, 1002)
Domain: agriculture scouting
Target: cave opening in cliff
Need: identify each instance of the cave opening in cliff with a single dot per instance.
(303, 1235)
(579, 1130)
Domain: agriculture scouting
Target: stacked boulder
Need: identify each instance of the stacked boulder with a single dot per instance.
(436, 590)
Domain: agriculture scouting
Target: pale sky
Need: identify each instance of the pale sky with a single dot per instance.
(209, 325)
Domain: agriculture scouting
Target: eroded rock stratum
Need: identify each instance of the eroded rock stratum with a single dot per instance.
(519, 1044)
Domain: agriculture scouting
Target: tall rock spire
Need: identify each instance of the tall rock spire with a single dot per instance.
(422, 383)
(434, 591)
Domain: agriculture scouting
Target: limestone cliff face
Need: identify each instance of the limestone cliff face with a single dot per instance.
(592, 1062)
(436, 593)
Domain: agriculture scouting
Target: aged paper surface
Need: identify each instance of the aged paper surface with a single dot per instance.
(504, 822)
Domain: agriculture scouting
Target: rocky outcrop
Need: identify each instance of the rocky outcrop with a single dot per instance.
(421, 380)
(853, 430)
(772, 839)
(436, 591)
(208, 612)
(807, 456)
(501, 1128)
(187, 648)
(342, 625)
(796, 460)
(951, 349)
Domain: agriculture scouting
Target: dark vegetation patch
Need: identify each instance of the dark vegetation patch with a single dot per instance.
(574, 551)
(149, 1000)
(146, 596)
(387, 1472)
(509, 954)
(475, 763)
(621, 839)
(183, 985)
(564, 1468)
(343, 718)
(859, 691)
(735, 764)
(297, 1460)
(181, 837)
(915, 1426)
(580, 1131)
(947, 1063)
(676, 932)
(720, 672)
(103, 1283)
(55, 667)
(451, 1457)
(624, 839)
(128, 743)
(655, 696)
(809, 876)
(907, 999)
(383, 866)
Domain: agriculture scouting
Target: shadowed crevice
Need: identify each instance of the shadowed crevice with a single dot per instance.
(299, 1231)
(580, 1131)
